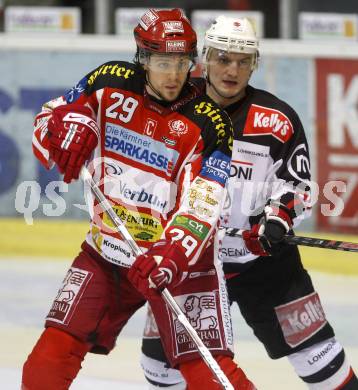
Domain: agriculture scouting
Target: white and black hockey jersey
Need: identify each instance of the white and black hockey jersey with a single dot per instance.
(270, 161)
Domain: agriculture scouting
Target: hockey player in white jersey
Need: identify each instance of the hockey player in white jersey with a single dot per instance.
(269, 194)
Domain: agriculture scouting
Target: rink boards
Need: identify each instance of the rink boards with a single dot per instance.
(62, 238)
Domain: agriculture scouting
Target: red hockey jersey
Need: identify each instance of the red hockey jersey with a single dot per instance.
(163, 167)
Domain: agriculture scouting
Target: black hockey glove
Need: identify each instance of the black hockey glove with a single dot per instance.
(265, 236)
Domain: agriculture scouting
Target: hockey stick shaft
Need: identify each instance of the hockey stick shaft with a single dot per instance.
(168, 298)
(307, 241)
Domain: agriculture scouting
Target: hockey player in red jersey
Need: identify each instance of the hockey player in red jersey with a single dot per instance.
(268, 195)
(161, 154)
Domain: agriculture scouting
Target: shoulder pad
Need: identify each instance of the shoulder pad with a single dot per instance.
(211, 118)
(114, 74)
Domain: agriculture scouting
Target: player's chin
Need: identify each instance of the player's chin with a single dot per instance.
(229, 92)
(171, 95)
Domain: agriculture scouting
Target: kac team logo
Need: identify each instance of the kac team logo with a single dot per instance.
(178, 127)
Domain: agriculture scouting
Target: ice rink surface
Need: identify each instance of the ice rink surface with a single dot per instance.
(26, 291)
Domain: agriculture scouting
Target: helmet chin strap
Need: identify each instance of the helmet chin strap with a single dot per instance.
(151, 86)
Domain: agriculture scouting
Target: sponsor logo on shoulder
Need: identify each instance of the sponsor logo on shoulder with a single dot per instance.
(112, 70)
(268, 121)
(74, 93)
(207, 108)
(217, 167)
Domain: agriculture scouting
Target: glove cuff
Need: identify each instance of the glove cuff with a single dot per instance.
(278, 212)
(170, 249)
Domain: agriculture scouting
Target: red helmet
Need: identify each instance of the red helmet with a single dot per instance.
(165, 31)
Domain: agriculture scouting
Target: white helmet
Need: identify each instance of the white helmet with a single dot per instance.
(235, 35)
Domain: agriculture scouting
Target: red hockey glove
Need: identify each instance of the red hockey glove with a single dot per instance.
(73, 135)
(162, 265)
(276, 222)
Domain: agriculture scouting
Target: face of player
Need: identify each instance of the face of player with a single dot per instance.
(167, 74)
(229, 74)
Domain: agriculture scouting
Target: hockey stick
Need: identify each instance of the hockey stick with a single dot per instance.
(168, 298)
(306, 241)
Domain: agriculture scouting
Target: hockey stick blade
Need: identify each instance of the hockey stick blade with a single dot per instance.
(168, 298)
(306, 241)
